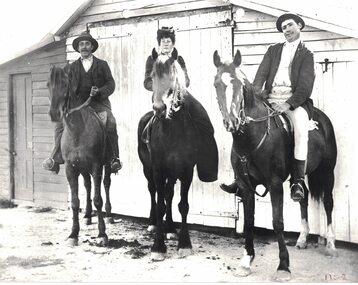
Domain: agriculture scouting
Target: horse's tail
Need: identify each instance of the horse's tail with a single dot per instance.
(321, 180)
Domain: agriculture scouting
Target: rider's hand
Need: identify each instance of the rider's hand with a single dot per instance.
(94, 91)
(281, 108)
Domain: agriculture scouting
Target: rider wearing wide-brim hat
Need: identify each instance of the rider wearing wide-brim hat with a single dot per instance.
(287, 75)
(88, 76)
(207, 165)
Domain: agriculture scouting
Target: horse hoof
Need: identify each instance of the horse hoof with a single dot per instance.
(282, 276)
(330, 252)
(151, 228)
(184, 252)
(301, 245)
(243, 271)
(72, 242)
(88, 221)
(109, 220)
(171, 236)
(102, 241)
(157, 256)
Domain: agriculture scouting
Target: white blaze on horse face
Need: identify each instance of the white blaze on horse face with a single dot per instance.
(226, 78)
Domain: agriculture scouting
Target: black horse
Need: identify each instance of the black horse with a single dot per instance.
(262, 152)
(171, 152)
(83, 148)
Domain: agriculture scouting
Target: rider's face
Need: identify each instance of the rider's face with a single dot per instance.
(85, 48)
(291, 30)
(166, 45)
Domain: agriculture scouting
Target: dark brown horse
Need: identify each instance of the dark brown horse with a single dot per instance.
(83, 148)
(171, 152)
(262, 152)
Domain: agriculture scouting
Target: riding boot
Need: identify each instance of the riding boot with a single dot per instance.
(232, 188)
(116, 164)
(298, 180)
(53, 162)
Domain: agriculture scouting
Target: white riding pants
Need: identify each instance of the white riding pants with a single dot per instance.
(300, 121)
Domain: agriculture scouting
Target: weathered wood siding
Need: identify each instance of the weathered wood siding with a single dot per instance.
(126, 44)
(49, 190)
(333, 93)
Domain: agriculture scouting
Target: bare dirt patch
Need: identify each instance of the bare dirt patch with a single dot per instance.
(33, 249)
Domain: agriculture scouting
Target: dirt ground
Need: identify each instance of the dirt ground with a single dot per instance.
(33, 249)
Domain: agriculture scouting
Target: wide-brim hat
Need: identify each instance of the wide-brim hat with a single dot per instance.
(85, 36)
(287, 16)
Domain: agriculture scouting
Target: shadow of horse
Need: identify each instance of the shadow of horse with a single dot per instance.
(83, 148)
(262, 153)
(170, 154)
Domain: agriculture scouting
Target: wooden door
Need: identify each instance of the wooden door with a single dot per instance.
(126, 48)
(22, 137)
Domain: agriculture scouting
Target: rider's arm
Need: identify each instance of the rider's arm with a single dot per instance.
(148, 80)
(183, 66)
(109, 84)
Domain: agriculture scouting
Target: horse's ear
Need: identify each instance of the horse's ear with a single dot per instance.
(237, 59)
(175, 54)
(154, 54)
(217, 60)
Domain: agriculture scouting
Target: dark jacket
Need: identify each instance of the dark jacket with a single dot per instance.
(148, 80)
(102, 78)
(302, 75)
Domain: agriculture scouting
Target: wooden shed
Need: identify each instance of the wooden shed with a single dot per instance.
(126, 32)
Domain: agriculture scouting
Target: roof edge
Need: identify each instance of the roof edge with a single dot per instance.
(308, 20)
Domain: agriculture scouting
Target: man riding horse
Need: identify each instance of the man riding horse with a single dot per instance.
(208, 152)
(89, 76)
(287, 70)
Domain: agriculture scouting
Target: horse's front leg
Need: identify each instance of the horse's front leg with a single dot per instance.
(98, 202)
(184, 243)
(276, 191)
(159, 248)
(301, 242)
(72, 178)
(169, 224)
(88, 214)
(248, 199)
(107, 185)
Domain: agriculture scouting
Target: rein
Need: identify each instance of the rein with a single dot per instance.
(244, 159)
(85, 104)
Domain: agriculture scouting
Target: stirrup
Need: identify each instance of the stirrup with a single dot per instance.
(297, 191)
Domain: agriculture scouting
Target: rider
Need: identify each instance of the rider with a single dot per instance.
(287, 70)
(208, 152)
(89, 76)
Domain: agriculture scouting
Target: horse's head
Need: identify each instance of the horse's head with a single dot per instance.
(58, 86)
(229, 83)
(168, 85)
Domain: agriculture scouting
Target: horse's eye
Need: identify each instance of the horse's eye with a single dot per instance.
(170, 92)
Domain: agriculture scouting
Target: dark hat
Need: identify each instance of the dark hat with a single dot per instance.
(166, 32)
(287, 16)
(85, 36)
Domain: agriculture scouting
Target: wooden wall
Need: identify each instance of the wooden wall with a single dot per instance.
(49, 190)
(334, 94)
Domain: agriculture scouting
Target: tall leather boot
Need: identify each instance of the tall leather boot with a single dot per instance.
(116, 164)
(232, 188)
(53, 162)
(298, 180)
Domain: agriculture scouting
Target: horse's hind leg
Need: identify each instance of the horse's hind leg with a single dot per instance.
(328, 206)
(72, 178)
(88, 213)
(107, 185)
(169, 224)
(301, 242)
(184, 243)
(98, 202)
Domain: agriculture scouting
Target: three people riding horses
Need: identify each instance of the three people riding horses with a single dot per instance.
(287, 74)
(89, 76)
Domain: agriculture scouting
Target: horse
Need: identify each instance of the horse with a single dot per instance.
(83, 148)
(262, 152)
(170, 154)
